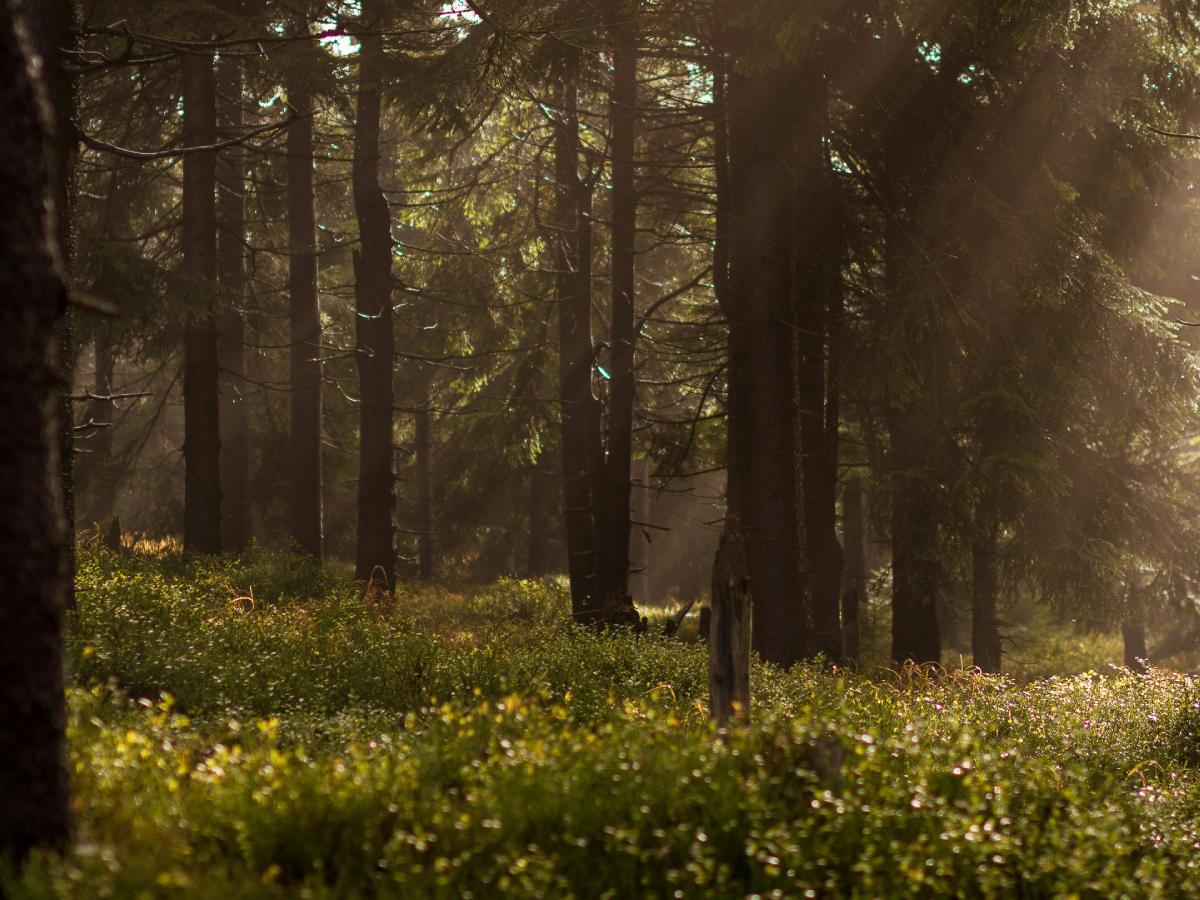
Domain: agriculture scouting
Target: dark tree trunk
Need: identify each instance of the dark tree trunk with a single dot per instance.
(818, 301)
(1133, 631)
(854, 575)
(579, 408)
(423, 451)
(375, 554)
(102, 415)
(916, 635)
(771, 484)
(54, 27)
(305, 314)
(231, 323)
(34, 788)
(985, 627)
(728, 265)
(543, 489)
(613, 512)
(201, 390)
(639, 540)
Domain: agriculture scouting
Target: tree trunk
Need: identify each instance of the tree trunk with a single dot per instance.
(201, 392)
(543, 488)
(639, 539)
(231, 323)
(771, 484)
(817, 307)
(1133, 631)
(579, 409)
(423, 450)
(102, 414)
(728, 266)
(730, 629)
(54, 27)
(305, 314)
(916, 635)
(985, 627)
(34, 788)
(613, 525)
(376, 551)
(854, 575)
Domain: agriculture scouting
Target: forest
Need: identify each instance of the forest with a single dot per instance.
(628, 448)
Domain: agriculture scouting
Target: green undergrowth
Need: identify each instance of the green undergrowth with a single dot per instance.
(470, 744)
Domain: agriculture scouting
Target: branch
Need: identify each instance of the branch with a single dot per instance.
(1174, 134)
(102, 146)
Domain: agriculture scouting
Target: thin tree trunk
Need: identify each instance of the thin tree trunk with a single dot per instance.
(201, 397)
(730, 630)
(985, 627)
(54, 27)
(543, 488)
(769, 466)
(34, 787)
(423, 451)
(102, 414)
(817, 301)
(854, 575)
(580, 410)
(1133, 632)
(639, 540)
(916, 634)
(728, 265)
(613, 525)
(376, 545)
(231, 323)
(305, 315)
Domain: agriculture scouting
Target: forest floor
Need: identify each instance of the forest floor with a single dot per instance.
(257, 728)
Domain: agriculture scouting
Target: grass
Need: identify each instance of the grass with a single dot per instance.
(469, 744)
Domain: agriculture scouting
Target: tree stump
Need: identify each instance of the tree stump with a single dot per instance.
(729, 642)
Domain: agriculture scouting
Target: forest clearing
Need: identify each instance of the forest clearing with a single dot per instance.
(600, 449)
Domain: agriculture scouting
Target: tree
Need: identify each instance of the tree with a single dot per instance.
(54, 26)
(236, 528)
(305, 493)
(201, 371)
(375, 344)
(34, 801)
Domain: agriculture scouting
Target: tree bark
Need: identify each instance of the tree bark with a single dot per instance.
(581, 447)
(237, 530)
(769, 466)
(613, 525)
(985, 627)
(854, 574)
(423, 451)
(375, 554)
(305, 315)
(34, 788)
(201, 371)
(54, 28)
